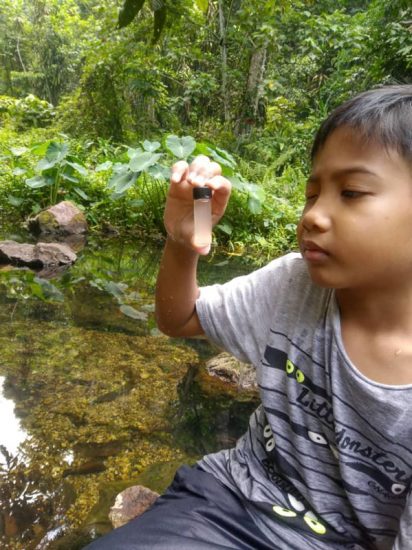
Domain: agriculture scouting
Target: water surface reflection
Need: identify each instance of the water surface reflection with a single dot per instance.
(91, 392)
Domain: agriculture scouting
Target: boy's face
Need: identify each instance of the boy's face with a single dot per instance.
(356, 228)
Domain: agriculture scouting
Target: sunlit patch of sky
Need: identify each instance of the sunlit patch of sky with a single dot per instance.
(11, 433)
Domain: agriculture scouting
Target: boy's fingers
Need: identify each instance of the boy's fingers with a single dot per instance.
(203, 251)
(215, 169)
(202, 169)
(178, 171)
(220, 184)
(199, 162)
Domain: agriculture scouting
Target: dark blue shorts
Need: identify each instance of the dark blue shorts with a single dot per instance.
(197, 512)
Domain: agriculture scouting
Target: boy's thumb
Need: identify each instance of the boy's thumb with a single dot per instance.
(204, 251)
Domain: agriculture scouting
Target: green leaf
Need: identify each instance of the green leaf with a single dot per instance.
(45, 164)
(136, 203)
(133, 152)
(115, 289)
(255, 191)
(225, 227)
(57, 151)
(228, 164)
(203, 5)
(49, 291)
(15, 201)
(237, 183)
(120, 168)
(130, 311)
(69, 177)
(142, 161)
(18, 151)
(40, 149)
(159, 172)
(122, 182)
(37, 291)
(129, 11)
(151, 146)
(202, 148)
(222, 157)
(81, 193)
(79, 168)
(18, 171)
(180, 147)
(37, 182)
(254, 205)
(104, 166)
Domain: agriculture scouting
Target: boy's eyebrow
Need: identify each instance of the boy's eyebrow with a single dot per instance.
(344, 172)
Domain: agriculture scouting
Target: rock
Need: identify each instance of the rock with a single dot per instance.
(230, 370)
(36, 256)
(54, 254)
(62, 218)
(130, 503)
(157, 477)
(214, 410)
(18, 254)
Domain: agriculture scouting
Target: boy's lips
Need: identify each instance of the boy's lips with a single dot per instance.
(313, 252)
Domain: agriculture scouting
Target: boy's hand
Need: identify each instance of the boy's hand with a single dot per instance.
(178, 215)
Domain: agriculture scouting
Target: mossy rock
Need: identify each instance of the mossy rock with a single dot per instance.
(62, 218)
(44, 222)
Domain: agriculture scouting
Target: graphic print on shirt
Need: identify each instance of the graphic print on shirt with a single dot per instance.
(379, 472)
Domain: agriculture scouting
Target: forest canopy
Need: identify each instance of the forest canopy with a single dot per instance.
(253, 77)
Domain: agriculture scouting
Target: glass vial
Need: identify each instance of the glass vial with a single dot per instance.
(202, 216)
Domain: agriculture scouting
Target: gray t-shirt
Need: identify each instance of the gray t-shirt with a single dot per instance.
(327, 459)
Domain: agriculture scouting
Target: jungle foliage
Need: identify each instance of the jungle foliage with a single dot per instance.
(249, 79)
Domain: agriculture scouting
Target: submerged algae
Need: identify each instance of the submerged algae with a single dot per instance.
(90, 401)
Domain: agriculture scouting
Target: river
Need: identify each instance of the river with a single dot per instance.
(92, 396)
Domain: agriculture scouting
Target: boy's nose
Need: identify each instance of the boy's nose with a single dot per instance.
(316, 218)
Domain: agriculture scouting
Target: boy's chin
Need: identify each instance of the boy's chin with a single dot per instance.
(322, 280)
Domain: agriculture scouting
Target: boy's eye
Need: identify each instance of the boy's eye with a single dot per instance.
(351, 194)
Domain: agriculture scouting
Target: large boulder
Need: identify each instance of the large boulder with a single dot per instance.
(36, 255)
(62, 218)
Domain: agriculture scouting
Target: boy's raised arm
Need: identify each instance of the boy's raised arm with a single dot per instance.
(177, 290)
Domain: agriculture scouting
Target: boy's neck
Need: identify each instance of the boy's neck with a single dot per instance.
(382, 310)
(376, 332)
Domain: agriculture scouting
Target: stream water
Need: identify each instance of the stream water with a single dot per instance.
(93, 397)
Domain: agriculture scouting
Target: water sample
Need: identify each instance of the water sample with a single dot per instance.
(202, 216)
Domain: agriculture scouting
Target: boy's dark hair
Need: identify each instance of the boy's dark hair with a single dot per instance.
(383, 115)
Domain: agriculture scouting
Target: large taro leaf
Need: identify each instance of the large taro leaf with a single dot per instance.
(142, 161)
(181, 147)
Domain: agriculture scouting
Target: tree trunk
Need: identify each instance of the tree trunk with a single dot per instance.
(223, 54)
(249, 115)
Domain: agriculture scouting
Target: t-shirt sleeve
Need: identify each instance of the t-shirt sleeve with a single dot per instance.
(238, 315)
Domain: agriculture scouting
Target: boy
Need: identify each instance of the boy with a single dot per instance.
(327, 460)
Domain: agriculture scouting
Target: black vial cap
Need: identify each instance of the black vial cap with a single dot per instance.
(202, 193)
